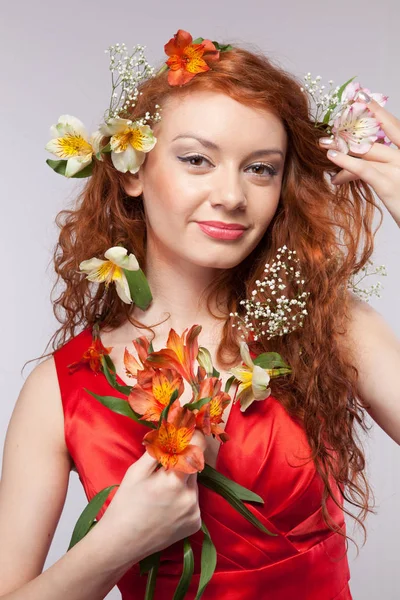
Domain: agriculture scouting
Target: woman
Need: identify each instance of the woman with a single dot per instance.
(236, 152)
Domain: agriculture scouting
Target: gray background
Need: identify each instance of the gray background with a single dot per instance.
(54, 63)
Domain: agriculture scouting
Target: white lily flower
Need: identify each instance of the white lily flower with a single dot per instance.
(70, 141)
(112, 270)
(253, 379)
(355, 129)
(129, 142)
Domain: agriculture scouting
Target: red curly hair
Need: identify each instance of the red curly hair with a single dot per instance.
(327, 227)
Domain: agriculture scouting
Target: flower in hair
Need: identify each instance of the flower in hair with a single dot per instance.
(71, 143)
(112, 270)
(188, 57)
(130, 140)
(341, 113)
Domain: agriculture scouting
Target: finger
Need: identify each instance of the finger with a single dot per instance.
(389, 123)
(145, 465)
(343, 177)
(378, 152)
(357, 166)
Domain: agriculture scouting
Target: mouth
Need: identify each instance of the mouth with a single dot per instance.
(221, 230)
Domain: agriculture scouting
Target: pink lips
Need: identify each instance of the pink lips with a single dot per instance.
(221, 230)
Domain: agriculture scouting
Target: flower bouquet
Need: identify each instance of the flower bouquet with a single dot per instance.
(153, 401)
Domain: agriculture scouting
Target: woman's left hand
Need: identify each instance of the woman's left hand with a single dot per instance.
(379, 167)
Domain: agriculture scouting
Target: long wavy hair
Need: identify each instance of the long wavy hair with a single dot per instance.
(330, 229)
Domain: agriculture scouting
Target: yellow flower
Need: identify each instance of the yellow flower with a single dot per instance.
(129, 143)
(253, 379)
(70, 141)
(112, 270)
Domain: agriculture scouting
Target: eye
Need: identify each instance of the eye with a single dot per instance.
(270, 170)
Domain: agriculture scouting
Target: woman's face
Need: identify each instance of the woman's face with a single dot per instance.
(216, 162)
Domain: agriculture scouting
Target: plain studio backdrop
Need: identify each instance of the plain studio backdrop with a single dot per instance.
(53, 62)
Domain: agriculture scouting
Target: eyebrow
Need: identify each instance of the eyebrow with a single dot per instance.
(213, 146)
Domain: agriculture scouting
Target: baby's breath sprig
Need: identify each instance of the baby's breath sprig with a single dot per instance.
(327, 104)
(274, 318)
(374, 289)
(127, 72)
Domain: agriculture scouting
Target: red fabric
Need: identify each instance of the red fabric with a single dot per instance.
(306, 561)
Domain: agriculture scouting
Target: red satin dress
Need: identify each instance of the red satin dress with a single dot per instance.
(306, 561)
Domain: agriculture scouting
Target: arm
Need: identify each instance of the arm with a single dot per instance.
(35, 475)
(376, 354)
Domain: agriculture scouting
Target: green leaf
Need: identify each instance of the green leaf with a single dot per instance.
(197, 405)
(342, 88)
(208, 561)
(187, 573)
(223, 47)
(121, 407)
(272, 360)
(59, 166)
(147, 563)
(152, 578)
(139, 288)
(87, 518)
(164, 414)
(110, 373)
(240, 491)
(104, 150)
(234, 501)
(228, 384)
(331, 108)
(198, 40)
(215, 373)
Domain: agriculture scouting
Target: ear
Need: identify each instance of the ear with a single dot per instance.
(132, 184)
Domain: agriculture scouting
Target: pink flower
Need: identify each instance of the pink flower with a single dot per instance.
(355, 129)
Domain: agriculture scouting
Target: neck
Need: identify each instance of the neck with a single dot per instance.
(177, 287)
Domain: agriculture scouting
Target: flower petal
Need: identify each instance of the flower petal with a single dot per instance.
(92, 264)
(114, 125)
(76, 164)
(129, 160)
(123, 290)
(260, 383)
(245, 354)
(67, 124)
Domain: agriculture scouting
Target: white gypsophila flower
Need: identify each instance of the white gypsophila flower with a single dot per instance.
(128, 71)
(280, 315)
(367, 293)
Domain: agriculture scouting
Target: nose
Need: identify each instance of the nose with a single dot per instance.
(228, 190)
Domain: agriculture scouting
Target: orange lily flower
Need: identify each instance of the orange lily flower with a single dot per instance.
(180, 353)
(170, 444)
(132, 366)
(210, 415)
(153, 392)
(92, 356)
(187, 59)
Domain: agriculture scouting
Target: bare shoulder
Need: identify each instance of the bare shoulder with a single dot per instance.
(40, 394)
(375, 350)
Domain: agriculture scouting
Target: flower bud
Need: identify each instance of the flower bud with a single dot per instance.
(205, 361)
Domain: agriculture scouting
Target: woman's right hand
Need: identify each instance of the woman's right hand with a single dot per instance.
(152, 509)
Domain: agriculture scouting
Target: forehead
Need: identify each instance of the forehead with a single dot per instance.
(217, 116)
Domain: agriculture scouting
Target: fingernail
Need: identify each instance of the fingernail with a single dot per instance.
(332, 153)
(363, 96)
(326, 141)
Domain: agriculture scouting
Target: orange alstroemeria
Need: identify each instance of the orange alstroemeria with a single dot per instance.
(153, 392)
(92, 356)
(210, 415)
(132, 366)
(180, 353)
(170, 444)
(187, 59)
